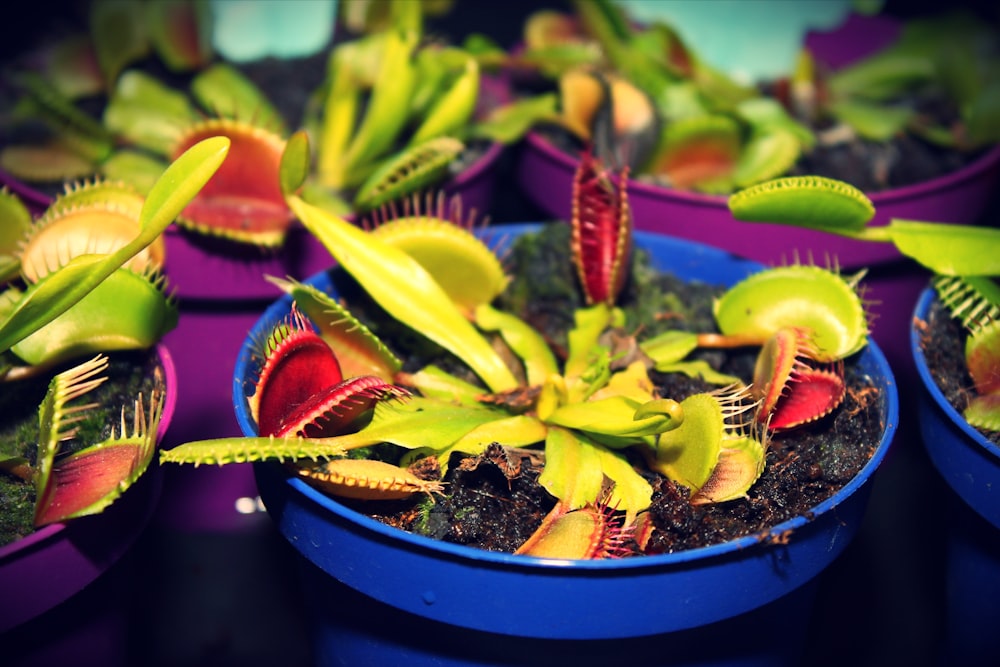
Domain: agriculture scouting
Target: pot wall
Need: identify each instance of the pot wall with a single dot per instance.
(970, 465)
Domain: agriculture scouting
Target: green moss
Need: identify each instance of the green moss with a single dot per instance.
(421, 525)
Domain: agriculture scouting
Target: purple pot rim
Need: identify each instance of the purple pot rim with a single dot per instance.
(54, 531)
(984, 162)
(478, 169)
(927, 297)
(652, 562)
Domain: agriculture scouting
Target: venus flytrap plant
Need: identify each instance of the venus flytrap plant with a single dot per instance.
(965, 260)
(393, 116)
(87, 283)
(59, 77)
(78, 274)
(85, 481)
(951, 55)
(681, 124)
(333, 399)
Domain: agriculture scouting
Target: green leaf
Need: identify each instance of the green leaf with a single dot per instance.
(406, 291)
(618, 416)
(126, 311)
(631, 493)
(295, 163)
(147, 113)
(220, 451)
(386, 113)
(948, 249)
(797, 296)
(15, 222)
(875, 122)
(339, 114)
(513, 431)
(179, 184)
(119, 34)
(453, 109)
(689, 453)
(228, 93)
(139, 169)
(669, 346)
(768, 154)
(434, 382)
(509, 123)
(573, 471)
(419, 422)
(527, 344)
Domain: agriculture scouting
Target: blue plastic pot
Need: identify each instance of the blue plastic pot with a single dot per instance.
(382, 596)
(967, 460)
(970, 465)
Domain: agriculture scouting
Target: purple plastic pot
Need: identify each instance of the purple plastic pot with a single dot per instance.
(970, 465)
(208, 498)
(58, 582)
(382, 596)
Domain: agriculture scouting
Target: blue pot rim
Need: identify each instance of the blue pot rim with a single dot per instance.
(657, 561)
(924, 302)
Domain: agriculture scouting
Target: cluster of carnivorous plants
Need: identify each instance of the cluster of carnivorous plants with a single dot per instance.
(328, 390)
(83, 281)
(964, 260)
(394, 115)
(681, 123)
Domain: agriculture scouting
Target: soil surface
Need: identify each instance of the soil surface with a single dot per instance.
(494, 502)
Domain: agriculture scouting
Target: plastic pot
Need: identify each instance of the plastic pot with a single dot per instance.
(383, 596)
(969, 463)
(66, 586)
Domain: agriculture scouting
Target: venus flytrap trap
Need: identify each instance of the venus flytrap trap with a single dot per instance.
(370, 394)
(965, 261)
(85, 281)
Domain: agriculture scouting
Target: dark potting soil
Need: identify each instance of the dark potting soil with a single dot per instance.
(128, 373)
(942, 339)
(494, 502)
